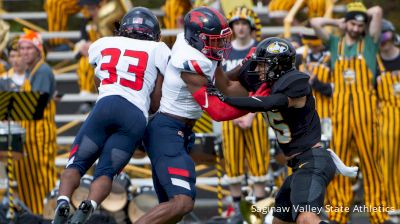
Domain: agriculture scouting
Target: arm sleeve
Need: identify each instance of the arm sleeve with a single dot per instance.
(324, 88)
(162, 56)
(259, 104)
(218, 110)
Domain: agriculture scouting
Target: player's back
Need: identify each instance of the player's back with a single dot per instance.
(128, 67)
(296, 129)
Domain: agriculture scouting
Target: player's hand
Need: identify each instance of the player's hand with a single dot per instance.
(213, 91)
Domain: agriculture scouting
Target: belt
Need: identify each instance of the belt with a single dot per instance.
(186, 121)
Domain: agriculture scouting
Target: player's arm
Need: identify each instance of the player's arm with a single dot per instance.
(156, 94)
(228, 87)
(266, 103)
(218, 110)
(293, 94)
(375, 14)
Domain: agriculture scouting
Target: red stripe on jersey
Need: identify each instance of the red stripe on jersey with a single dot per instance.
(73, 151)
(179, 172)
(196, 67)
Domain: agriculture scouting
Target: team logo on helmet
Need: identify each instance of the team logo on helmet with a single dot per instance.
(198, 18)
(277, 47)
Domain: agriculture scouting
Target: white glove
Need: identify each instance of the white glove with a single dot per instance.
(341, 168)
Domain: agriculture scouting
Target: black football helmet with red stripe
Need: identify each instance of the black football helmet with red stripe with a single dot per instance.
(139, 23)
(207, 30)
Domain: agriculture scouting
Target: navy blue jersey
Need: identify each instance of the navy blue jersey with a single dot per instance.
(235, 57)
(296, 129)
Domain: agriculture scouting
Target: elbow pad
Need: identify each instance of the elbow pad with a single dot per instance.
(218, 110)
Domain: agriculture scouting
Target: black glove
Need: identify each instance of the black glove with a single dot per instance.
(213, 91)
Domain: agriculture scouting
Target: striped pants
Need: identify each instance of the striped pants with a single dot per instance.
(354, 123)
(252, 144)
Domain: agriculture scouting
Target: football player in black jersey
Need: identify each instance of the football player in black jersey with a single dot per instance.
(284, 94)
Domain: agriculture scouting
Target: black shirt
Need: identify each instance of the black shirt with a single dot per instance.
(392, 65)
(297, 129)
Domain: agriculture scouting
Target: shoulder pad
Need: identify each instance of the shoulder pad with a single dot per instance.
(293, 84)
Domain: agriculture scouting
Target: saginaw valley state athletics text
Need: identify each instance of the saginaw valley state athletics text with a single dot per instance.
(318, 210)
(296, 208)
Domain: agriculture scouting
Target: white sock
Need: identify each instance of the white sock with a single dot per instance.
(94, 204)
(63, 197)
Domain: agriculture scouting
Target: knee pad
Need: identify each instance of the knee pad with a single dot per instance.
(118, 158)
(84, 156)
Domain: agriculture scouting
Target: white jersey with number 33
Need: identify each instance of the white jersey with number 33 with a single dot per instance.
(128, 67)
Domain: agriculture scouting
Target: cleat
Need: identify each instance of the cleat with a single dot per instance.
(83, 213)
(62, 213)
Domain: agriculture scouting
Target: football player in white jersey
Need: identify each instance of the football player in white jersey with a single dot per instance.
(129, 69)
(195, 63)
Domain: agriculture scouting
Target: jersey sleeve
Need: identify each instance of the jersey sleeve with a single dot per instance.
(94, 52)
(162, 56)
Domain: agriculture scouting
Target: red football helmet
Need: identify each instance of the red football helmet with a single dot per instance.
(207, 30)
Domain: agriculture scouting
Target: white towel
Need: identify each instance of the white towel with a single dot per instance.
(341, 168)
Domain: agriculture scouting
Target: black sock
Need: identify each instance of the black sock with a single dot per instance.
(323, 222)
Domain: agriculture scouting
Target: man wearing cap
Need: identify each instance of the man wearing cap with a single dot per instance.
(36, 172)
(353, 64)
(388, 85)
(245, 138)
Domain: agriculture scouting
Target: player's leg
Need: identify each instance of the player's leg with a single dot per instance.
(127, 127)
(283, 206)
(167, 141)
(84, 152)
(312, 172)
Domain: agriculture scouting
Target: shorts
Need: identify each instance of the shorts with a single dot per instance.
(304, 190)
(167, 142)
(111, 133)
